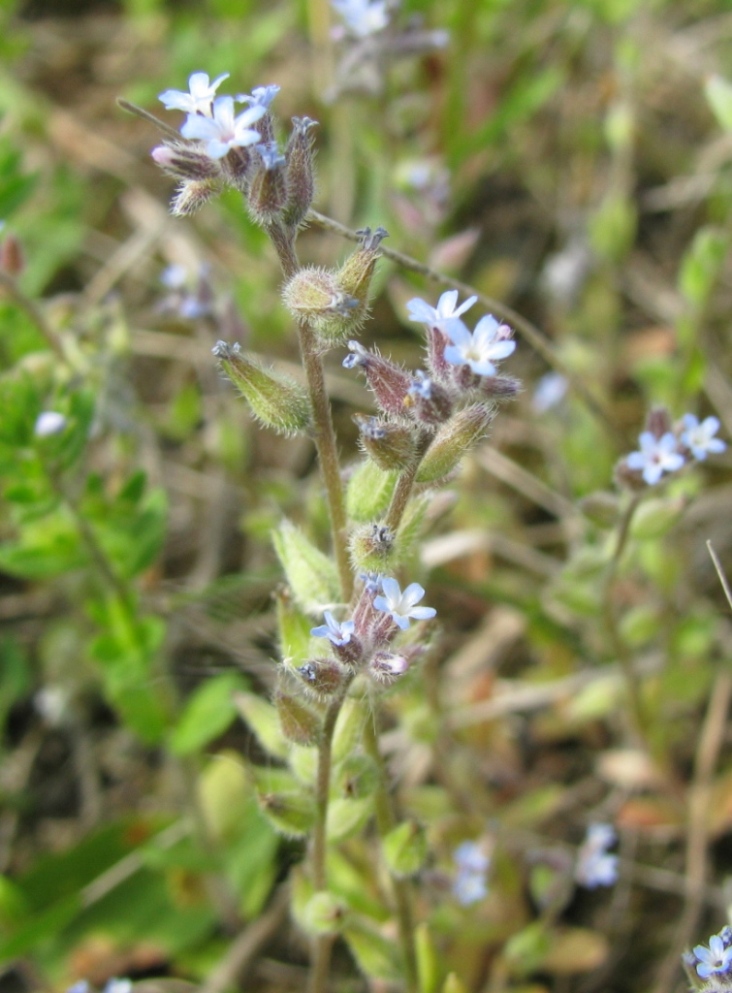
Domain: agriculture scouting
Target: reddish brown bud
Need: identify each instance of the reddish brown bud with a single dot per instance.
(300, 176)
(185, 160)
(389, 383)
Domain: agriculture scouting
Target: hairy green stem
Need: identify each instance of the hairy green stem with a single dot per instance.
(324, 432)
(385, 822)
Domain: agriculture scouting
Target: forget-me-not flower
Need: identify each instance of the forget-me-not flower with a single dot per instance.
(715, 958)
(262, 96)
(470, 882)
(489, 343)
(699, 438)
(200, 97)
(435, 317)
(48, 423)
(338, 632)
(223, 130)
(594, 866)
(655, 456)
(402, 606)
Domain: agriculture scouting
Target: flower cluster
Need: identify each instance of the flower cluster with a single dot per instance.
(435, 414)
(362, 641)
(470, 883)
(713, 962)
(224, 148)
(665, 448)
(595, 867)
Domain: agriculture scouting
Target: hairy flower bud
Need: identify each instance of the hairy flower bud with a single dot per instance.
(354, 276)
(499, 387)
(427, 402)
(299, 176)
(658, 422)
(267, 185)
(298, 722)
(389, 445)
(371, 547)
(386, 667)
(185, 160)
(192, 195)
(314, 295)
(389, 383)
(279, 402)
(452, 441)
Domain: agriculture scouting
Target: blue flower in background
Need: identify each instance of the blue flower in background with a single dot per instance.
(594, 866)
(699, 438)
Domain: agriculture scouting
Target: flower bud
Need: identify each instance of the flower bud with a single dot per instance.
(436, 361)
(427, 402)
(389, 445)
(323, 914)
(278, 402)
(314, 295)
(185, 160)
(354, 276)
(371, 547)
(192, 195)
(267, 188)
(452, 441)
(658, 422)
(299, 723)
(499, 387)
(322, 677)
(389, 383)
(292, 813)
(385, 668)
(299, 175)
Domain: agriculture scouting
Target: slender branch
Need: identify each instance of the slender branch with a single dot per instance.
(34, 312)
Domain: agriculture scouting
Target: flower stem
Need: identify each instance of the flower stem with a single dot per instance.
(324, 432)
(402, 891)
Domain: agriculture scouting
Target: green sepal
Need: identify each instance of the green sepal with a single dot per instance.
(312, 576)
(277, 401)
(405, 849)
(322, 914)
(299, 723)
(654, 518)
(429, 971)
(348, 816)
(452, 441)
(291, 813)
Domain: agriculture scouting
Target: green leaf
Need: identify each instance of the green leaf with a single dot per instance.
(312, 575)
(208, 713)
(719, 97)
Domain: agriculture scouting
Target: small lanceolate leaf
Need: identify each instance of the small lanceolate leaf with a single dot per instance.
(299, 723)
(348, 816)
(405, 849)
(207, 714)
(312, 575)
(376, 955)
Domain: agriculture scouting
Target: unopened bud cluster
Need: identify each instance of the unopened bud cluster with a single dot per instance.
(219, 148)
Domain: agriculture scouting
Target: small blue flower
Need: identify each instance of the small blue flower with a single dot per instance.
(48, 423)
(261, 95)
(420, 310)
(488, 343)
(363, 17)
(200, 97)
(400, 605)
(421, 386)
(714, 959)
(470, 883)
(655, 456)
(271, 155)
(223, 131)
(594, 866)
(700, 437)
(81, 987)
(338, 632)
(550, 390)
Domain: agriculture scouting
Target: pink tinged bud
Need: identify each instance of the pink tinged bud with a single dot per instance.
(277, 401)
(191, 196)
(300, 175)
(185, 161)
(658, 422)
(389, 445)
(427, 402)
(386, 668)
(456, 437)
(389, 383)
(436, 361)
